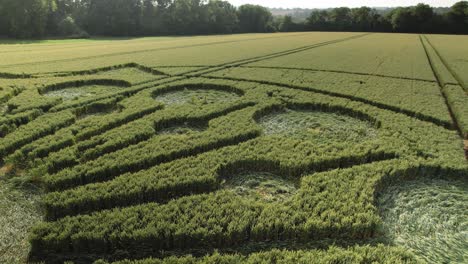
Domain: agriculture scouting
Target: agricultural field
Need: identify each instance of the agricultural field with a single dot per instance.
(255, 148)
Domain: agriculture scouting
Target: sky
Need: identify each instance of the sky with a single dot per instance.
(336, 3)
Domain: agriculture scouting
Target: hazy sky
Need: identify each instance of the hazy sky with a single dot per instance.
(336, 3)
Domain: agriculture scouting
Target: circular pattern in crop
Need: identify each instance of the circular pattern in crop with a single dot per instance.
(260, 186)
(196, 97)
(429, 217)
(74, 93)
(317, 126)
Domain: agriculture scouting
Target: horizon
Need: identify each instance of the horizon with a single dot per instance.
(291, 4)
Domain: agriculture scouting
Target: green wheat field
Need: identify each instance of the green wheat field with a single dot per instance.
(253, 148)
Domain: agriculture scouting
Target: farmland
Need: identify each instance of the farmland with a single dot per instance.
(253, 148)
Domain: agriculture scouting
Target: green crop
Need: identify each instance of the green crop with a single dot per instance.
(275, 148)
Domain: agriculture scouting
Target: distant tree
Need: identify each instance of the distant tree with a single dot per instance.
(72, 13)
(162, 17)
(3, 19)
(68, 28)
(402, 19)
(149, 24)
(255, 18)
(287, 24)
(186, 17)
(318, 20)
(417, 19)
(164, 3)
(222, 17)
(79, 11)
(423, 18)
(362, 19)
(382, 24)
(26, 18)
(39, 18)
(114, 17)
(341, 18)
(458, 17)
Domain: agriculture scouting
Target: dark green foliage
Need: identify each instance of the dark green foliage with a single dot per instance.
(25, 18)
(114, 17)
(75, 19)
(254, 18)
(68, 27)
(418, 19)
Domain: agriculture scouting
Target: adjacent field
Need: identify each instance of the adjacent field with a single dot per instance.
(239, 149)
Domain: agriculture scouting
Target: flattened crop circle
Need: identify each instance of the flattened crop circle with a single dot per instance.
(317, 126)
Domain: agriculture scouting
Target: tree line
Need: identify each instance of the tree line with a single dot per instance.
(421, 18)
(81, 18)
(39, 18)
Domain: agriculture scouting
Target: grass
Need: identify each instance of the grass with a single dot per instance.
(20, 210)
(317, 126)
(429, 217)
(260, 186)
